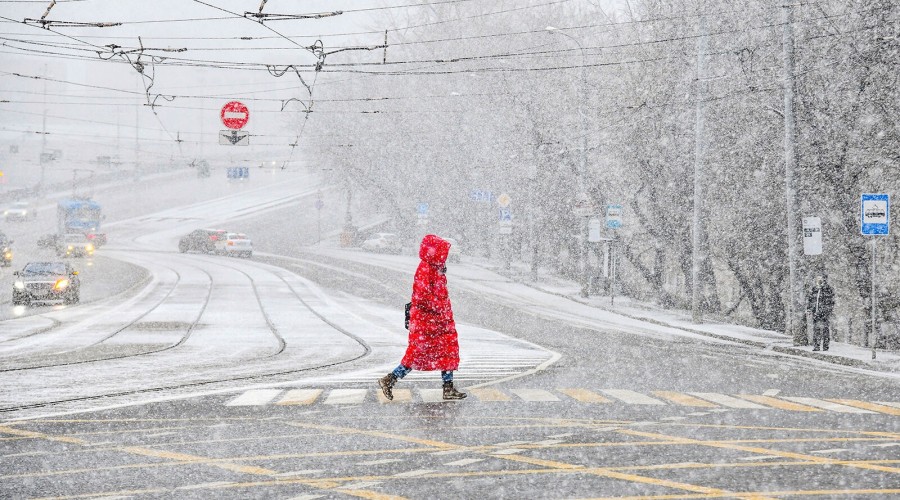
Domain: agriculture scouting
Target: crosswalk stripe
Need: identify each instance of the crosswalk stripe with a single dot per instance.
(585, 396)
(728, 401)
(534, 395)
(777, 403)
(346, 396)
(889, 403)
(489, 395)
(432, 395)
(683, 399)
(254, 397)
(827, 405)
(400, 396)
(631, 397)
(880, 408)
(300, 397)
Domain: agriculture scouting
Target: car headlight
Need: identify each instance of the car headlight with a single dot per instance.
(89, 247)
(8, 255)
(71, 247)
(61, 284)
(20, 285)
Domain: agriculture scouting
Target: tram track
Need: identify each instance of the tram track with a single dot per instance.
(366, 350)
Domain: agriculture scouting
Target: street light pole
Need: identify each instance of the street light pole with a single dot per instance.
(582, 174)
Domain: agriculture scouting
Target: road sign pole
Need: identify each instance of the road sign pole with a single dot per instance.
(874, 320)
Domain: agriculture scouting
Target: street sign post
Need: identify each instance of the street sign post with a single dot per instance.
(234, 137)
(875, 213)
(235, 115)
(812, 236)
(875, 220)
(594, 228)
(614, 216)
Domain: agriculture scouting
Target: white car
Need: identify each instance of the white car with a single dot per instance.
(19, 210)
(383, 242)
(235, 245)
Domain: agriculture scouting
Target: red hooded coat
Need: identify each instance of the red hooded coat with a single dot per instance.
(433, 343)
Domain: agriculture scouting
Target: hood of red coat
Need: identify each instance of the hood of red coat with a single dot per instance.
(434, 250)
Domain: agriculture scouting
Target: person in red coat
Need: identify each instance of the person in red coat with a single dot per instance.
(433, 342)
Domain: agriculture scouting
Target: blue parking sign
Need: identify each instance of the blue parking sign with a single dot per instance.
(875, 214)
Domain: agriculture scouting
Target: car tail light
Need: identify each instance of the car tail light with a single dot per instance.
(91, 236)
(230, 243)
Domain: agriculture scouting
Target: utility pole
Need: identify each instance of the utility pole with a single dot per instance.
(43, 158)
(793, 319)
(137, 142)
(696, 250)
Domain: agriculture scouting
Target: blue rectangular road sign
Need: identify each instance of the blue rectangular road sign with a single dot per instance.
(875, 214)
(505, 215)
(422, 209)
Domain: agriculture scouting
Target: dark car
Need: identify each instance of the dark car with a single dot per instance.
(46, 282)
(201, 240)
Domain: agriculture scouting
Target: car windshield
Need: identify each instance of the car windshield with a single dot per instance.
(237, 236)
(75, 238)
(45, 268)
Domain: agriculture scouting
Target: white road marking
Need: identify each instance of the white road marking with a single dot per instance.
(568, 434)
(346, 396)
(380, 462)
(549, 442)
(879, 445)
(698, 413)
(307, 497)
(889, 403)
(826, 405)
(307, 472)
(299, 396)
(508, 451)
(830, 450)
(771, 392)
(359, 485)
(465, 461)
(631, 397)
(728, 401)
(675, 418)
(254, 397)
(534, 395)
(433, 396)
(204, 485)
(414, 473)
(510, 443)
(758, 457)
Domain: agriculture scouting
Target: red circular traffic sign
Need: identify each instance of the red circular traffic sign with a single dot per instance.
(235, 115)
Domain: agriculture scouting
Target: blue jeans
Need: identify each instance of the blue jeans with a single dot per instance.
(402, 371)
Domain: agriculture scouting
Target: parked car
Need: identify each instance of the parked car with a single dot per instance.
(46, 282)
(75, 245)
(19, 211)
(455, 254)
(383, 242)
(201, 240)
(235, 245)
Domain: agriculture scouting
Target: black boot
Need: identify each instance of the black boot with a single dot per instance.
(450, 392)
(387, 385)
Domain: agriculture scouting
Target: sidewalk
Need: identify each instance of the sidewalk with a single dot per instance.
(838, 352)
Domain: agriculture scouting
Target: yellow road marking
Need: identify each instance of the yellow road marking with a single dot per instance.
(585, 396)
(400, 396)
(777, 403)
(299, 397)
(755, 494)
(763, 451)
(867, 406)
(386, 435)
(489, 395)
(38, 435)
(684, 399)
(601, 471)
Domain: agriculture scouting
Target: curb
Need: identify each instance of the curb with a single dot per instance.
(838, 360)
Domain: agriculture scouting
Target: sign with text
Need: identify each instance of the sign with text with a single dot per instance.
(812, 236)
(875, 213)
(614, 216)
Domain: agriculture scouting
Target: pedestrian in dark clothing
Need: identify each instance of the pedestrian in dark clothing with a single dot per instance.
(433, 341)
(820, 304)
